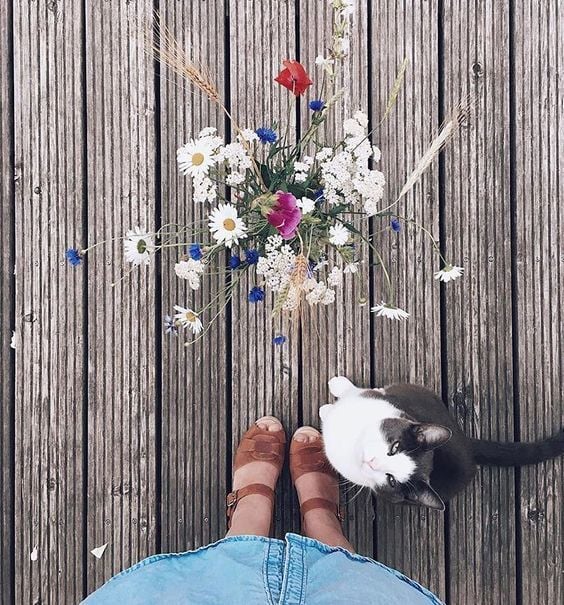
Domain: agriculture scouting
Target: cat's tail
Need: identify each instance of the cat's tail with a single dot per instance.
(517, 454)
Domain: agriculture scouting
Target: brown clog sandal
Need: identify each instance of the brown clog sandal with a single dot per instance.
(256, 445)
(309, 457)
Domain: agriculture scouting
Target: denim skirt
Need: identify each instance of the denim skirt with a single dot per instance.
(249, 570)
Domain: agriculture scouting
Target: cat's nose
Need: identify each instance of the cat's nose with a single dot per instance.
(374, 464)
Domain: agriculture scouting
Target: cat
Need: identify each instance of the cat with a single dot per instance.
(402, 443)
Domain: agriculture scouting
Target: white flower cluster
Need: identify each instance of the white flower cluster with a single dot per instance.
(278, 268)
(190, 270)
(319, 293)
(301, 169)
(277, 264)
(236, 159)
(196, 158)
(200, 155)
(346, 176)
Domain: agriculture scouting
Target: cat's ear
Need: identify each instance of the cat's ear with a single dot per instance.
(420, 492)
(339, 385)
(324, 411)
(430, 436)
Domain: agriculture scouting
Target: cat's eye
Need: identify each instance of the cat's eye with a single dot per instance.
(394, 449)
(391, 480)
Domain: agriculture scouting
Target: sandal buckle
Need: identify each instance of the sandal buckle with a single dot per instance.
(231, 499)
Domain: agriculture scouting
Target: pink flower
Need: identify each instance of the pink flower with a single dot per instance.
(285, 215)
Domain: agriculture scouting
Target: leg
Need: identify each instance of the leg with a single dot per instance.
(319, 523)
(253, 514)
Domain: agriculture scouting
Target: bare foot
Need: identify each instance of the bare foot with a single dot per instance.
(253, 515)
(320, 524)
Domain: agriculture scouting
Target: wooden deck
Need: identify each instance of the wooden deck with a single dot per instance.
(109, 432)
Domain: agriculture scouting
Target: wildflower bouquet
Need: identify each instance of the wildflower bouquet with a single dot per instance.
(286, 212)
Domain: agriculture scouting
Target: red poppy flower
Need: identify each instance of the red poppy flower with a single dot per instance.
(285, 215)
(294, 77)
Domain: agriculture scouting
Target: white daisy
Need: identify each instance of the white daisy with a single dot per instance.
(188, 319)
(225, 226)
(306, 205)
(449, 273)
(196, 157)
(138, 246)
(338, 235)
(190, 270)
(389, 311)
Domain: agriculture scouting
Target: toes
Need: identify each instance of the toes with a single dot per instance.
(306, 434)
(269, 423)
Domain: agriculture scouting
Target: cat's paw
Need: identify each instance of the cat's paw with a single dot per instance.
(339, 385)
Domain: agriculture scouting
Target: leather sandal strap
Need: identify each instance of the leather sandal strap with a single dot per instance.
(309, 458)
(314, 503)
(262, 448)
(234, 497)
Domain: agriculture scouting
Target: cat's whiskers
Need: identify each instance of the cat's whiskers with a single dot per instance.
(361, 488)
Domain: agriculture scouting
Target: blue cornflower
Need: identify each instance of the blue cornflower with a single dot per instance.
(318, 195)
(279, 339)
(73, 256)
(252, 256)
(256, 295)
(316, 105)
(234, 261)
(311, 268)
(266, 135)
(195, 251)
(395, 225)
(170, 325)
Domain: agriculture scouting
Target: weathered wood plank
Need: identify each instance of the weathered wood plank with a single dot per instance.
(410, 539)
(538, 166)
(336, 338)
(122, 499)
(477, 225)
(195, 434)
(264, 376)
(7, 318)
(49, 358)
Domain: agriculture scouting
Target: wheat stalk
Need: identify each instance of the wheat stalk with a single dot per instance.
(445, 134)
(395, 89)
(299, 272)
(281, 298)
(166, 49)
